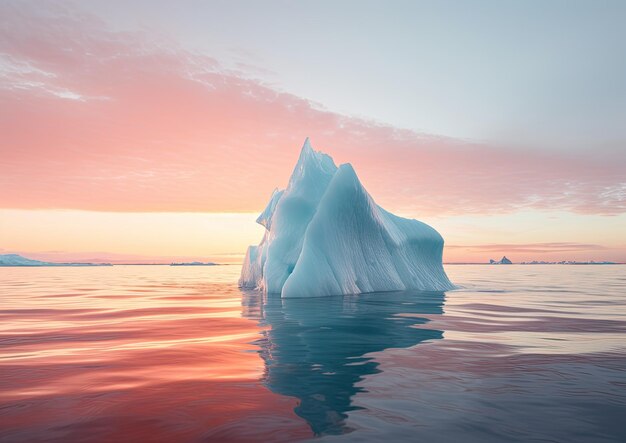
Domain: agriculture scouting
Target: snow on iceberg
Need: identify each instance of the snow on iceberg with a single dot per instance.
(325, 235)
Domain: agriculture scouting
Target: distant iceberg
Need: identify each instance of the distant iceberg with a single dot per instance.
(18, 260)
(325, 235)
(503, 261)
(15, 260)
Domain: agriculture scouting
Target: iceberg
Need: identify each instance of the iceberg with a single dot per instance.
(503, 261)
(18, 260)
(15, 260)
(325, 235)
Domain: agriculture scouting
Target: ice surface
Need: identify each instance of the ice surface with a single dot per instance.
(265, 219)
(325, 235)
(503, 261)
(18, 260)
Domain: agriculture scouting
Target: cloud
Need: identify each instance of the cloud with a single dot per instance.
(540, 248)
(103, 120)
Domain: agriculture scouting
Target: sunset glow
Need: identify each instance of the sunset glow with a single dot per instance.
(283, 221)
(132, 147)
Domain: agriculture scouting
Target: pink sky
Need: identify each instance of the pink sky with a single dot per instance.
(97, 120)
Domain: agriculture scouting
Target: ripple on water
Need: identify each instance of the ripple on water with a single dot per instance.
(144, 353)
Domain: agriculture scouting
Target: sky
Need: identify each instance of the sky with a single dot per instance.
(156, 131)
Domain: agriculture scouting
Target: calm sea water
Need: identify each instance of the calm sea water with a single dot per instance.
(159, 353)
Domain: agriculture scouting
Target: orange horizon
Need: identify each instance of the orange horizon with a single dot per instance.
(97, 153)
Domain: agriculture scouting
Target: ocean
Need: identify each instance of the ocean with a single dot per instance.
(160, 353)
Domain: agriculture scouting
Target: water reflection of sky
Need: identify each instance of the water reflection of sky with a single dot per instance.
(133, 353)
(154, 353)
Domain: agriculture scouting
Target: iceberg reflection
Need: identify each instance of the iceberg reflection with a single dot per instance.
(317, 349)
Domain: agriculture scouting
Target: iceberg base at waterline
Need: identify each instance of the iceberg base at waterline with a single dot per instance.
(325, 235)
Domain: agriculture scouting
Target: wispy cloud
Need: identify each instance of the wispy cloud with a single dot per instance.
(539, 248)
(175, 132)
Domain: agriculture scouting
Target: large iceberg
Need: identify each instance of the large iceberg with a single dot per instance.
(325, 235)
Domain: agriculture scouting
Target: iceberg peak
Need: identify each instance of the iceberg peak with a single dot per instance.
(312, 164)
(265, 218)
(325, 235)
(307, 153)
(347, 174)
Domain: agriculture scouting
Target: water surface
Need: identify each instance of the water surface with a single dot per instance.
(159, 353)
